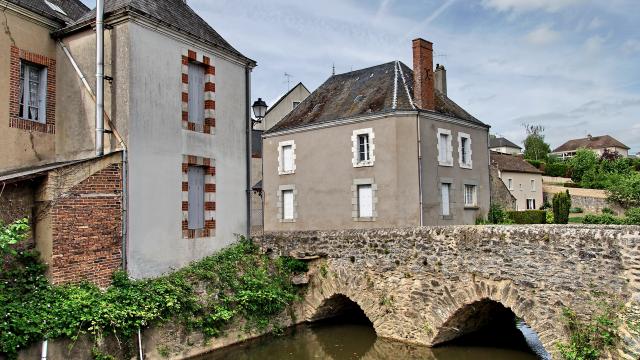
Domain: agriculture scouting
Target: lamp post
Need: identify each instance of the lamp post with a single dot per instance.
(259, 110)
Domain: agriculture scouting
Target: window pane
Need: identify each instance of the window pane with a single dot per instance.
(445, 199)
(365, 201)
(287, 204)
(470, 195)
(363, 147)
(196, 197)
(196, 93)
(463, 148)
(287, 158)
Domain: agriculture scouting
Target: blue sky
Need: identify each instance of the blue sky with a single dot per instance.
(572, 66)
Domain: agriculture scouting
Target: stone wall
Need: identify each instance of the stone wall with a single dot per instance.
(500, 194)
(412, 282)
(592, 201)
(16, 201)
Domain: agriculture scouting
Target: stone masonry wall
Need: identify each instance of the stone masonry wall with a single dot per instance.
(500, 194)
(87, 229)
(412, 283)
(592, 201)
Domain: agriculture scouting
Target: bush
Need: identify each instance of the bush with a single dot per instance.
(607, 211)
(528, 217)
(558, 169)
(561, 205)
(539, 164)
(633, 216)
(572, 185)
(549, 217)
(626, 190)
(604, 219)
(576, 210)
(496, 215)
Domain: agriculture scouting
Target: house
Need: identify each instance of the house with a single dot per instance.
(504, 146)
(522, 179)
(168, 181)
(280, 108)
(377, 147)
(599, 144)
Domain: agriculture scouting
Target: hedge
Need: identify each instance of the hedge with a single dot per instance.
(528, 217)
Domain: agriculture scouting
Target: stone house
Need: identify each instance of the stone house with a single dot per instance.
(377, 147)
(174, 183)
(599, 144)
(522, 179)
(504, 146)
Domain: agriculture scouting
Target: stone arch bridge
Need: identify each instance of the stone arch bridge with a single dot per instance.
(431, 285)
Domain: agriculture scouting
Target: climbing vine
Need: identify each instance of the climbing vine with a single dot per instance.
(239, 282)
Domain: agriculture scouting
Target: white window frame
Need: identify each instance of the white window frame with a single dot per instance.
(355, 200)
(533, 201)
(447, 158)
(449, 186)
(25, 70)
(469, 163)
(355, 148)
(281, 145)
(510, 183)
(474, 196)
(533, 185)
(281, 205)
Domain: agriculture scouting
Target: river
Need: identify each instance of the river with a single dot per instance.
(351, 341)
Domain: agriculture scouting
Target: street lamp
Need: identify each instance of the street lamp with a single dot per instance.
(259, 110)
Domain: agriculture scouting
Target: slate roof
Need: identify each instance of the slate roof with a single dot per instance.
(378, 89)
(74, 9)
(591, 142)
(176, 14)
(496, 142)
(512, 163)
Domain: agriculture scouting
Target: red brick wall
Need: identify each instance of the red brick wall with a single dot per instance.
(87, 229)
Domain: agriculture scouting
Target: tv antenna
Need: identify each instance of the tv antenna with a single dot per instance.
(288, 76)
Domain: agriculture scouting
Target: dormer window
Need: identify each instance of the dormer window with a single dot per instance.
(363, 147)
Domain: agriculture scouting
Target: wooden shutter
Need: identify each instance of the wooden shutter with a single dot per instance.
(287, 158)
(365, 201)
(443, 147)
(446, 210)
(287, 204)
(196, 197)
(196, 93)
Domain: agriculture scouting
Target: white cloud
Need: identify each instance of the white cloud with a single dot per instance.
(631, 46)
(595, 23)
(594, 43)
(542, 35)
(528, 5)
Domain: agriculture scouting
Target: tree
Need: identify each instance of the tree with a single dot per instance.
(584, 162)
(534, 146)
(561, 206)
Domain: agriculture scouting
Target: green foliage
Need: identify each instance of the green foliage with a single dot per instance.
(633, 216)
(557, 169)
(625, 190)
(238, 281)
(293, 265)
(535, 148)
(497, 214)
(537, 163)
(607, 210)
(590, 338)
(528, 217)
(549, 217)
(583, 162)
(11, 235)
(576, 210)
(561, 204)
(604, 219)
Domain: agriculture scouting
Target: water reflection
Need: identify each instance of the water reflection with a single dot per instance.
(354, 341)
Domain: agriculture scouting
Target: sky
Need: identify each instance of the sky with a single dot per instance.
(572, 66)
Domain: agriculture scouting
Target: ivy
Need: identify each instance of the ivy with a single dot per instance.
(239, 282)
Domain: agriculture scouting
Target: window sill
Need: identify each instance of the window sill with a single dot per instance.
(365, 219)
(286, 173)
(446, 217)
(287, 220)
(363, 164)
(473, 207)
(445, 164)
(466, 166)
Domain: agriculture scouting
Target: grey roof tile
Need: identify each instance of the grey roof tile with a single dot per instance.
(495, 142)
(74, 9)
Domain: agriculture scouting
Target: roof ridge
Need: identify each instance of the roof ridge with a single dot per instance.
(394, 104)
(404, 81)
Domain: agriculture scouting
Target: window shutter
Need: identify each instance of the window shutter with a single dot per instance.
(287, 202)
(445, 199)
(287, 157)
(196, 197)
(365, 201)
(42, 101)
(196, 93)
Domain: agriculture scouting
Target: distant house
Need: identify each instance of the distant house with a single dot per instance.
(504, 146)
(377, 147)
(596, 143)
(522, 179)
(284, 105)
(175, 102)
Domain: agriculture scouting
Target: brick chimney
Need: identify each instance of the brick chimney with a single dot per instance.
(423, 82)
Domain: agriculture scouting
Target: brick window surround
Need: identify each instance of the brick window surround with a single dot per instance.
(209, 123)
(15, 121)
(209, 197)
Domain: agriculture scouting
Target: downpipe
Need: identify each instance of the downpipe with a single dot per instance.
(45, 347)
(140, 345)
(99, 77)
(248, 145)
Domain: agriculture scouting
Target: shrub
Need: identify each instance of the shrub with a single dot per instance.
(528, 217)
(549, 217)
(576, 210)
(537, 163)
(633, 216)
(626, 190)
(561, 205)
(572, 185)
(558, 169)
(604, 219)
(496, 215)
(584, 161)
(607, 211)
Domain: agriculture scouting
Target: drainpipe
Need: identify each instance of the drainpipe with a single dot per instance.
(248, 145)
(420, 190)
(125, 157)
(45, 345)
(99, 77)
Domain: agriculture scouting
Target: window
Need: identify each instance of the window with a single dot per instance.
(470, 196)
(33, 92)
(464, 150)
(365, 201)
(445, 157)
(286, 157)
(533, 185)
(196, 93)
(287, 204)
(295, 104)
(445, 190)
(510, 184)
(196, 197)
(531, 204)
(363, 147)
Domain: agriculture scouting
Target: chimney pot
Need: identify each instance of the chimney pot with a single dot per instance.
(441, 79)
(423, 79)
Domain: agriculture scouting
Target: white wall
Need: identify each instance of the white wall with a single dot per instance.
(157, 143)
